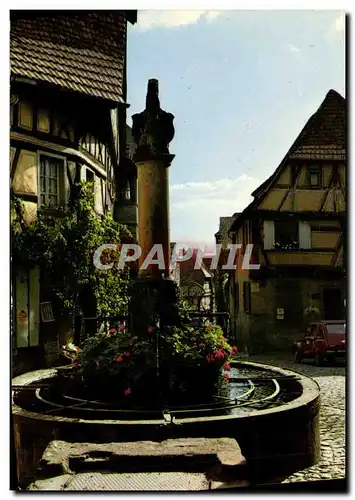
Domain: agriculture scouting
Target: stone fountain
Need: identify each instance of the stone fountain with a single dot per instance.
(270, 413)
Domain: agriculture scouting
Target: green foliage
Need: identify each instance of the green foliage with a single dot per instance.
(64, 246)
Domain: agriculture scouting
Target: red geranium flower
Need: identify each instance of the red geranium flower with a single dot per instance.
(113, 330)
(127, 391)
(227, 367)
(122, 326)
(226, 376)
(219, 354)
(235, 349)
(150, 329)
(127, 354)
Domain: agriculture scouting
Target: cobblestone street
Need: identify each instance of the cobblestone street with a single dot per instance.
(331, 380)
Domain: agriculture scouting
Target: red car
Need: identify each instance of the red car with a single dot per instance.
(323, 340)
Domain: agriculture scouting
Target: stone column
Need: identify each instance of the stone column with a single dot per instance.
(154, 296)
(153, 212)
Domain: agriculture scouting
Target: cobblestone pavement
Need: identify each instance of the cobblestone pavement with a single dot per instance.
(331, 380)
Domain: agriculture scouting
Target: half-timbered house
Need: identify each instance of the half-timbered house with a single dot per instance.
(68, 124)
(296, 224)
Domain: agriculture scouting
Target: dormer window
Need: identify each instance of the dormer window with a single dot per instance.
(314, 177)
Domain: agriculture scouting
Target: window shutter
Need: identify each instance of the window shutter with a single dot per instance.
(304, 235)
(21, 308)
(269, 234)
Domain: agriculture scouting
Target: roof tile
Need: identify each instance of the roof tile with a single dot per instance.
(84, 53)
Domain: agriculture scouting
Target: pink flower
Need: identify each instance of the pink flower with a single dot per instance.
(234, 349)
(127, 354)
(227, 367)
(118, 358)
(226, 376)
(127, 391)
(193, 339)
(209, 358)
(202, 346)
(150, 329)
(219, 354)
(113, 330)
(122, 326)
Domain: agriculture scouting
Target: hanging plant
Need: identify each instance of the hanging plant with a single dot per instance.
(64, 247)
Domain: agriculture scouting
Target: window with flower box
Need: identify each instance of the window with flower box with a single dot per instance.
(286, 235)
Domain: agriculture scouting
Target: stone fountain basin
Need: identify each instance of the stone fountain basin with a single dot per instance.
(276, 441)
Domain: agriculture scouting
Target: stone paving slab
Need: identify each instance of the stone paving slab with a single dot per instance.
(62, 457)
(173, 481)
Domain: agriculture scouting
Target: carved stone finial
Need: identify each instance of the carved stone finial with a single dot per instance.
(152, 99)
(152, 129)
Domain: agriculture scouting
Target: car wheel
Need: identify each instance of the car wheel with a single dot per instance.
(319, 359)
(331, 360)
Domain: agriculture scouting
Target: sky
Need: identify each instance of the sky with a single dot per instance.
(241, 85)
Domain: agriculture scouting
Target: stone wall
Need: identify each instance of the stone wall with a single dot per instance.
(299, 299)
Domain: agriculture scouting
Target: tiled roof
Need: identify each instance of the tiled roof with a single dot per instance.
(82, 52)
(324, 133)
(224, 226)
(322, 138)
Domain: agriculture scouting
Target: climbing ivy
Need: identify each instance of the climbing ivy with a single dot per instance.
(64, 246)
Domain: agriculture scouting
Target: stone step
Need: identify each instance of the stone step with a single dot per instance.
(204, 463)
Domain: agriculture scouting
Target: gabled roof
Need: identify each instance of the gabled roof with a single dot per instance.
(224, 225)
(81, 51)
(322, 138)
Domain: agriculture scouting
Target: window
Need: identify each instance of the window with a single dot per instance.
(314, 177)
(247, 297)
(336, 328)
(246, 233)
(90, 176)
(127, 192)
(286, 235)
(51, 176)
